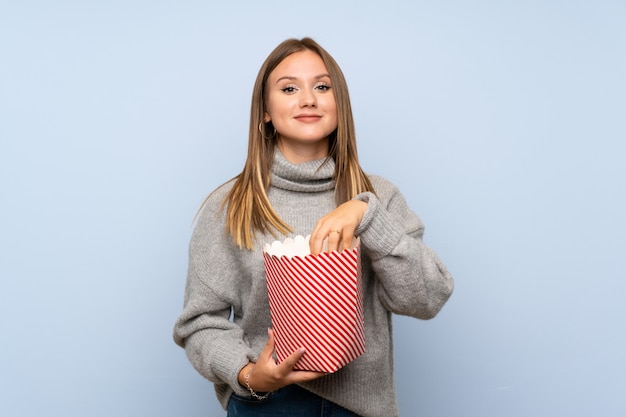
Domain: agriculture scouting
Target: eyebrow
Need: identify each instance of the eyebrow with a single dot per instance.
(291, 78)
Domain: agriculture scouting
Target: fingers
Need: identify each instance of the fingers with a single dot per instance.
(285, 367)
(317, 238)
(291, 360)
(266, 375)
(303, 376)
(336, 239)
(294, 376)
(337, 228)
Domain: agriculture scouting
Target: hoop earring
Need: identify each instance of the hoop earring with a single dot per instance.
(262, 131)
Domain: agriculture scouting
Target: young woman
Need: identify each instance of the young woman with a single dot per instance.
(302, 176)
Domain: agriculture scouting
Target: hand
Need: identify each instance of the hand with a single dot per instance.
(338, 226)
(266, 375)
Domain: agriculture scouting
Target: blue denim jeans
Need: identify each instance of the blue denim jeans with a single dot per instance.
(290, 401)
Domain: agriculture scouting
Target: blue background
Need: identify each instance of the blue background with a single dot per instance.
(503, 122)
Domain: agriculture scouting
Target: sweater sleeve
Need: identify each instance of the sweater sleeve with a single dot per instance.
(412, 280)
(214, 343)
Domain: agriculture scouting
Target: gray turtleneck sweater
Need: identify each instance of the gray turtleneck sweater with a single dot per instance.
(226, 314)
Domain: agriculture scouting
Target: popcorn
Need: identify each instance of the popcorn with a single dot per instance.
(316, 302)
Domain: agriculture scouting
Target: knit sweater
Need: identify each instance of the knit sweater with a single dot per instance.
(225, 318)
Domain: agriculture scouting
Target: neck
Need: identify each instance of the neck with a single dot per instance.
(305, 152)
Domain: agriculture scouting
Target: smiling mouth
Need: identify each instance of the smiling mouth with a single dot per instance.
(308, 118)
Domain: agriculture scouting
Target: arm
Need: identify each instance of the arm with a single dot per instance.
(412, 279)
(265, 375)
(213, 343)
(220, 280)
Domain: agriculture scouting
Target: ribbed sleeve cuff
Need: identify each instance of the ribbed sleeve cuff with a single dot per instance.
(225, 359)
(378, 231)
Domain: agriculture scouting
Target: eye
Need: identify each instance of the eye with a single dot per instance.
(290, 89)
(322, 87)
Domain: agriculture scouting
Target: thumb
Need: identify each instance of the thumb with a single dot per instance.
(268, 350)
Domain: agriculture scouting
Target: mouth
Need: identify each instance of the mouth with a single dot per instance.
(308, 118)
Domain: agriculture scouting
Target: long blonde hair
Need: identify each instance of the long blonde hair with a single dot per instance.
(248, 209)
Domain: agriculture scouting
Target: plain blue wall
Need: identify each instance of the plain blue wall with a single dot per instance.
(503, 122)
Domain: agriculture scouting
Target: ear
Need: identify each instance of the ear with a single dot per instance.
(267, 118)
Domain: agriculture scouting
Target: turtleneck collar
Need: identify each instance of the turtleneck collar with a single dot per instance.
(306, 177)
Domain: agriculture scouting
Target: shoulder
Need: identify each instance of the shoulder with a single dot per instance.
(380, 182)
(390, 197)
(389, 194)
(213, 206)
(384, 189)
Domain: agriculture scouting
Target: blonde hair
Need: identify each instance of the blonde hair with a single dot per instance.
(248, 209)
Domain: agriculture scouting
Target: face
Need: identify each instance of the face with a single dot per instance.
(301, 106)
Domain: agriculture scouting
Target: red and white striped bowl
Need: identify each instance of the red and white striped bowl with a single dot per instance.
(316, 303)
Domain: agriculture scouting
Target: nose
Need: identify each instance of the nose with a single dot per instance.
(307, 98)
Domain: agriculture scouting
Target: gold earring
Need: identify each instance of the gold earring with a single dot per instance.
(262, 131)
